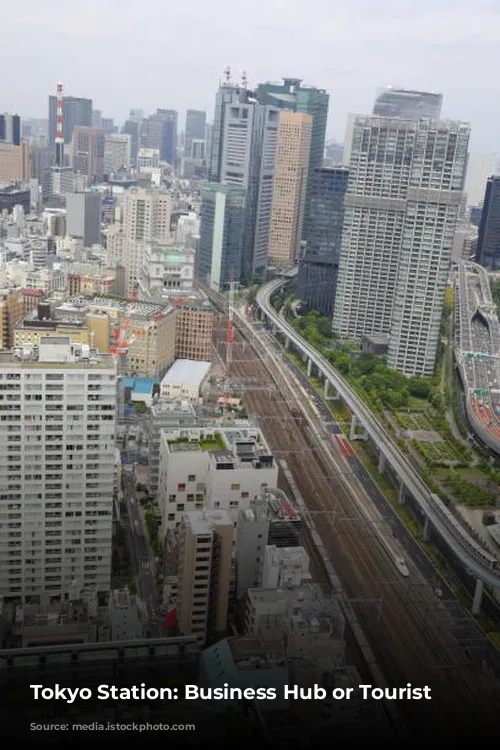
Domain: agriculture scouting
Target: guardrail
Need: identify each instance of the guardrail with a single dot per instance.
(468, 551)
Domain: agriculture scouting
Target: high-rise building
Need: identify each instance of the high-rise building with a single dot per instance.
(146, 217)
(488, 242)
(290, 183)
(160, 132)
(10, 129)
(403, 199)
(84, 217)
(117, 152)
(87, 152)
(58, 469)
(243, 154)
(403, 103)
(318, 269)
(222, 230)
(292, 95)
(14, 162)
(204, 574)
(76, 111)
(196, 126)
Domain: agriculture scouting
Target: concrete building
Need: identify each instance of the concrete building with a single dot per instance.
(394, 102)
(194, 331)
(318, 268)
(204, 574)
(11, 310)
(57, 183)
(148, 158)
(151, 346)
(87, 152)
(64, 482)
(222, 235)
(185, 380)
(84, 217)
(243, 151)
(14, 162)
(91, 279)
(76, 111)
(398, 234)
(294, 96)
(195, 130)
(146, 216)
(63, 622)
(48, 321)
(117, 152)
(10, 129)
(167, 270)
(290, 184)
(165, 414)
(213, 468)
(284, 567)
(160, 132)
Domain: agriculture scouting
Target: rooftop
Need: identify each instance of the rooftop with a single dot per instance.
(204, 521)
(187, 372)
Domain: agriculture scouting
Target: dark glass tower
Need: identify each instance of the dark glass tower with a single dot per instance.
(196, 129)
(488, 242)
(318, 269)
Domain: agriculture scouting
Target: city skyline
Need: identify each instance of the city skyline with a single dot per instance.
(446, 48)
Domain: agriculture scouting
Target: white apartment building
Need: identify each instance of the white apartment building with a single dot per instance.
(146, 217)
(406, 178)
(284, 567)
(167, 269)
(212, 468)
(117, 152)
(57, 468)
(148, 158)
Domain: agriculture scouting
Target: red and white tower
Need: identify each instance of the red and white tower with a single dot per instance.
(59, 127)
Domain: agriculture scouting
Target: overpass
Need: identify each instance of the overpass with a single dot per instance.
(438, 518)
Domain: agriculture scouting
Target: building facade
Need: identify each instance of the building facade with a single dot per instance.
(87, 152)
(76, 111)
(394, 102)
(167, 270)
(117, 152)
(10, 129)
(84, 217)
(289, 190)
(58, 464)
(406, 179)
(292, 95)
(194, 331)
(222, 227)
(160, 132)
(488, 242)
(318, 268)
(195, 130)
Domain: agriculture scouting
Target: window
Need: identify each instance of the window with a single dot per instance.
(192, 478)
(181, 486)
(235, 486)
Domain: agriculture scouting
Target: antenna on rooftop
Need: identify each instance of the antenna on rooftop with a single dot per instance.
(244, 79)
(227, 76)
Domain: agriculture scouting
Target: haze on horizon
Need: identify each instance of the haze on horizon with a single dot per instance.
(124, 54)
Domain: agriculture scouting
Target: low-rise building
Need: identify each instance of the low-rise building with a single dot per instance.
(213, 468)
(185, 380)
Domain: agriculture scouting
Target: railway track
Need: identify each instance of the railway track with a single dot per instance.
(408, 631)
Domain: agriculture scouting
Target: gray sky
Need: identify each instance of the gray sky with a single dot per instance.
(126, 53)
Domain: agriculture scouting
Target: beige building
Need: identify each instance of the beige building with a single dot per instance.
(194, 330)
(290, 182)
(90, 280)
(151, 344)
(14, 162)
(11, 310)
(146, 216)
(204, 574)
(117, 149)
(92, 329)
(87, 149)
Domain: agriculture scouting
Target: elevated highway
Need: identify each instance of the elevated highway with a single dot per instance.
(438, 518)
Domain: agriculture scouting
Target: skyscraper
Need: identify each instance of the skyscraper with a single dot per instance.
(289, 190)
(488, 242)
(222, 230)
(58, 468)
(318, 269)
(293, 96)
(76, 111)
(403, 103)
(87, 152)
(196, 129)
(10, 129)
(406, 178)
(117, 152)
(133, 127)
(243, 153)
(160, 132)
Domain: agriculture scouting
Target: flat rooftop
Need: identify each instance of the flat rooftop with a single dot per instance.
(187, 372)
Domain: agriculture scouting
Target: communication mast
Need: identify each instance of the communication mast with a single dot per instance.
(227, 76)
(244, 80)
(59, 140)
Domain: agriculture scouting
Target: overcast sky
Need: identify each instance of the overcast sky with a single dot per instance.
(157, 53)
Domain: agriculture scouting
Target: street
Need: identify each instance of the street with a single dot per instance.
(142, 557)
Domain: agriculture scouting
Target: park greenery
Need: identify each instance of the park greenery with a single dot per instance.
(495, 293)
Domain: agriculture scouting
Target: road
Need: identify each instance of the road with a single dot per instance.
(410, 631)
(142, 556)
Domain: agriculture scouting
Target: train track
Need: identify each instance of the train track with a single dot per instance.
(413, 640)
